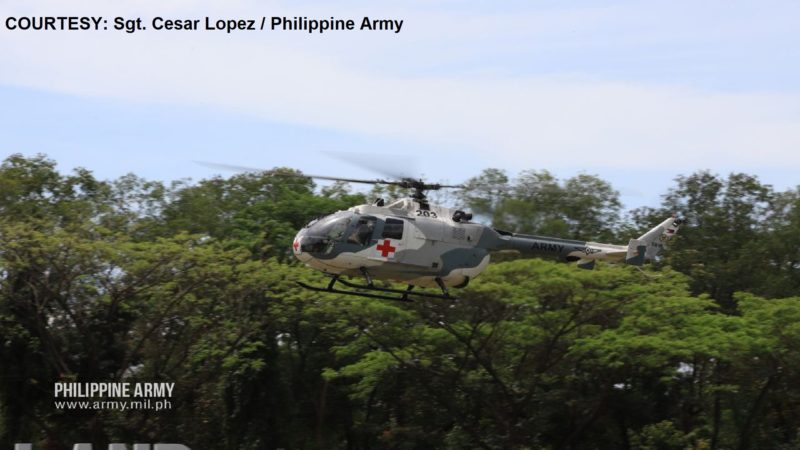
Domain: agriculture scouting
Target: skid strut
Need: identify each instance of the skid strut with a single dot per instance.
(367, 276)
(372, 291)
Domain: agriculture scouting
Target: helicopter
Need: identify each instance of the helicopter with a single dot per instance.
(419, 244)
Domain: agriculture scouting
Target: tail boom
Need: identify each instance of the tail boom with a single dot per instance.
(646, 248)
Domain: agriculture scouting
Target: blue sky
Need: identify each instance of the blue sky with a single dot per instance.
(636, 92)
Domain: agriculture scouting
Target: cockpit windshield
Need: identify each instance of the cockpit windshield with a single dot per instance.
(331, 227)
(321, 235)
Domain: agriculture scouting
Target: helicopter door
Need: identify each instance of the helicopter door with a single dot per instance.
(391, 242)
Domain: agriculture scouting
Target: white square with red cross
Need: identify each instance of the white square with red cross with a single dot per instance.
(386, 249)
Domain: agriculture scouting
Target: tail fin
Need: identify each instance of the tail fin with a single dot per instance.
(650, 244)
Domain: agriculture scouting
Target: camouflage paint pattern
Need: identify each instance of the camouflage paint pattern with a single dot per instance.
(414, 243)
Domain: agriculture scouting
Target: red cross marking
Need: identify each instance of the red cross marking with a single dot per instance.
(386, 248)
(295, 244)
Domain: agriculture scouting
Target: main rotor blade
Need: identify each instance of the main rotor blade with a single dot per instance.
(228, 167)
(236, 168)
(404, 182)
(449, 186)
(397, 167)
(351, 180)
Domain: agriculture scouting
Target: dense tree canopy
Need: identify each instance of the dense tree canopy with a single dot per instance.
(582, 207)
(137, 280)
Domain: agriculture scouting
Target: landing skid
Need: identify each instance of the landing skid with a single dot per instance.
(401, 295)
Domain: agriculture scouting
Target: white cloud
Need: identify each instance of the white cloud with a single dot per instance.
(553, 121)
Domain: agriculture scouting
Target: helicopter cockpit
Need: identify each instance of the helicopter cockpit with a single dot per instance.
(320, 235)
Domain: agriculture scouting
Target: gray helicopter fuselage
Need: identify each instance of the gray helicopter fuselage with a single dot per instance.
(416, 243)
(403, 241)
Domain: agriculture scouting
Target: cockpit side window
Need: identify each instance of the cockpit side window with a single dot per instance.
(363, 231)
(337, 229)
(392, 229)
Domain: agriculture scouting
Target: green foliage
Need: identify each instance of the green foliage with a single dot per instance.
(582, 207)
(32, 189)
(258, 211)
(663, 436)
(729, 225)
(139, 281)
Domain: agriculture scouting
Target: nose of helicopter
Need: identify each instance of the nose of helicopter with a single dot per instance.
(297, 247)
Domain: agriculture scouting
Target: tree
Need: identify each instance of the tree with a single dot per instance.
(31, 188)
(778, 266)
(484, 194)
(581, 207)
(725, 233)
(141, 281)
(260, 211)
